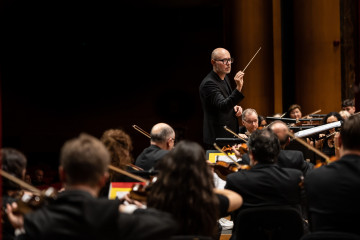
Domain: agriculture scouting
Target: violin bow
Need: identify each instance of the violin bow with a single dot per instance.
(219, 149)
(321, 154)
(136, 177)
(19, 181)
(317, 111)
(236, 135)
(251, 60)
(141, 131)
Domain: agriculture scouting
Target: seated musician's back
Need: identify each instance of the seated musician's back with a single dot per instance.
(77, 213)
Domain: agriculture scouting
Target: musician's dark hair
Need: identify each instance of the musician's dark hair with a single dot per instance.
(184, 188)
(350, 133)
(294, 106)
(348, 103)
(335, 114)
(85, 160)
(264, 146)
(13, 162)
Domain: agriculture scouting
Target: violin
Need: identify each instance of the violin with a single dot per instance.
(242, 148)
(140, 191)
(222, 169)
(31, 200)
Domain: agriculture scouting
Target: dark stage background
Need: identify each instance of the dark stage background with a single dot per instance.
(86, 66)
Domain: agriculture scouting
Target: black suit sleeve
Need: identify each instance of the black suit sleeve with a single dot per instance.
(147, 224)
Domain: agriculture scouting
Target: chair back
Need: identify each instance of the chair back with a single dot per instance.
(269, 223)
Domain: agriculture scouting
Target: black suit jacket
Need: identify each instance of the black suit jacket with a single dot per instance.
(77, 215)
(149, 157)
(333, 194)
(218, 107)
(266, 185)
(289, 159)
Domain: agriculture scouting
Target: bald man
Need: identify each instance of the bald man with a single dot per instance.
(162, 139)
(289, 158)
(219, 101)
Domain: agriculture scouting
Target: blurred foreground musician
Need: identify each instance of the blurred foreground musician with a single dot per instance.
(266, 184)
(333, 190)
(78, 214)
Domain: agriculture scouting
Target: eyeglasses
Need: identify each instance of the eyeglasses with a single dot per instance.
(225, 60)
(251, 122)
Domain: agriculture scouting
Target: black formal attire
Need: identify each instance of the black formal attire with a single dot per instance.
(326, 149)
(149, 157)
(266, 185)
(333, 194)
(7, 229)
(218, 101)
(77, 215)
(289, 159)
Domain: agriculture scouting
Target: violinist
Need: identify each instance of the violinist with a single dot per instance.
(348, 105)
(266, 183)
(119, 145)
(162, 140)
(332, 190)
(287, 158)
(13, 162)
(185, 188)
(250, 121)
(77, 213)
(262, 121)
(294, 111)
(326, 141)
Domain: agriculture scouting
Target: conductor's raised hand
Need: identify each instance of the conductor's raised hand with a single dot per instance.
(239, 80)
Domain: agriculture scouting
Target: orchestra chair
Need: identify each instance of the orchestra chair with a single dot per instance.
(190, 237)
(331, 235)
(269, 223)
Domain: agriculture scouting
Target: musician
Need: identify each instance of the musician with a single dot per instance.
(185, 188)
(119, 145)
(250, 121)
(294, 111)
(76, 213)
(162, 141)
(262, 121)
(287, 158)
(333, 190)
(326, 144)
(13, 162)
(266, 183)
(348, 105)
(219, 101)
(344, 114)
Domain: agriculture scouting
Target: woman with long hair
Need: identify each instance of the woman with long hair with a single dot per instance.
(185, 188)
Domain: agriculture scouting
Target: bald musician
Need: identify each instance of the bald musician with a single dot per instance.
(162, 139)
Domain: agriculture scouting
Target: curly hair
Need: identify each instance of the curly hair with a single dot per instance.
(119, 144)
(184, 188)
